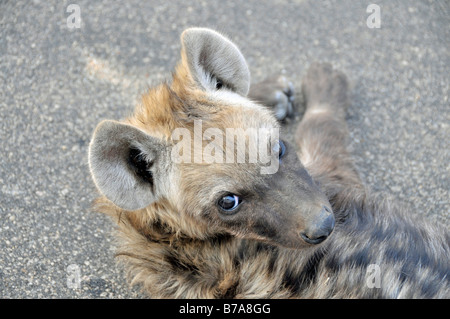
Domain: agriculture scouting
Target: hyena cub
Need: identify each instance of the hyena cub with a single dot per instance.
(221, 228)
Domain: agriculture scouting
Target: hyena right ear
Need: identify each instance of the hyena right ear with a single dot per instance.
(128, 166)
(214, 61)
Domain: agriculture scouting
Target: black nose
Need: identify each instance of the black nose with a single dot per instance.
(320, 229)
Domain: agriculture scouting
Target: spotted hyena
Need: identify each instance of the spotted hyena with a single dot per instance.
(222, 225)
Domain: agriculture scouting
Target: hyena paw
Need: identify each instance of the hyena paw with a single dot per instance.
(276, 93)
(325, 88)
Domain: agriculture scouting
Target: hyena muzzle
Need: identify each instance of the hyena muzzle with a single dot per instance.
(213, 225)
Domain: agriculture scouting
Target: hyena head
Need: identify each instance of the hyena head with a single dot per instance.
(191, 157)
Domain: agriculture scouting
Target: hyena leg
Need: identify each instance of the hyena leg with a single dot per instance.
(322, 133)
(275, 92)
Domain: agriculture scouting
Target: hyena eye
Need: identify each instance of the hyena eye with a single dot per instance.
(229, 202)
(279, 148)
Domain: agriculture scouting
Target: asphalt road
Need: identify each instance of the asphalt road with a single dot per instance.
(57, 83)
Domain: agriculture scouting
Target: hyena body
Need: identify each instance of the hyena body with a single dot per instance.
(224, 230)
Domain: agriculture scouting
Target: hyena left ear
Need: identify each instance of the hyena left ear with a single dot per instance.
(128, 166)
(214, 61)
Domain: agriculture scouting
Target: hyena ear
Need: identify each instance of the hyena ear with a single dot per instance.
(214, 61)
(128, 166)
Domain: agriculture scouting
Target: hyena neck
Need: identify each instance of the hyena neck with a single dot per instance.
(160, 232)
(170, 261)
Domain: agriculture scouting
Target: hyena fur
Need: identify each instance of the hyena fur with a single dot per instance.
(310, 230)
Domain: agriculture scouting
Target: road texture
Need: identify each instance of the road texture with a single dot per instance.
(58, 82)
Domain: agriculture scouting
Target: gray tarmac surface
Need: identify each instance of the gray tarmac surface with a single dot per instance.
(57, 83)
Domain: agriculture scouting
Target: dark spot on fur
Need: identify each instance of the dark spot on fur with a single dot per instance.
(272, 253)
(219, 239)
(241, 253)
(360, 258)
(430, 287)
(264, 230)
(309, 272)
(332, 263)
(231, 292)
(306, 277)
(380, 233)
(159, 226)
(406, 272)
(272, 262)
(264, 248)
(290, 281)
(181, 266)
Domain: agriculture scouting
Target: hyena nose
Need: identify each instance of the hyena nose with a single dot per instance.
(321, 228)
